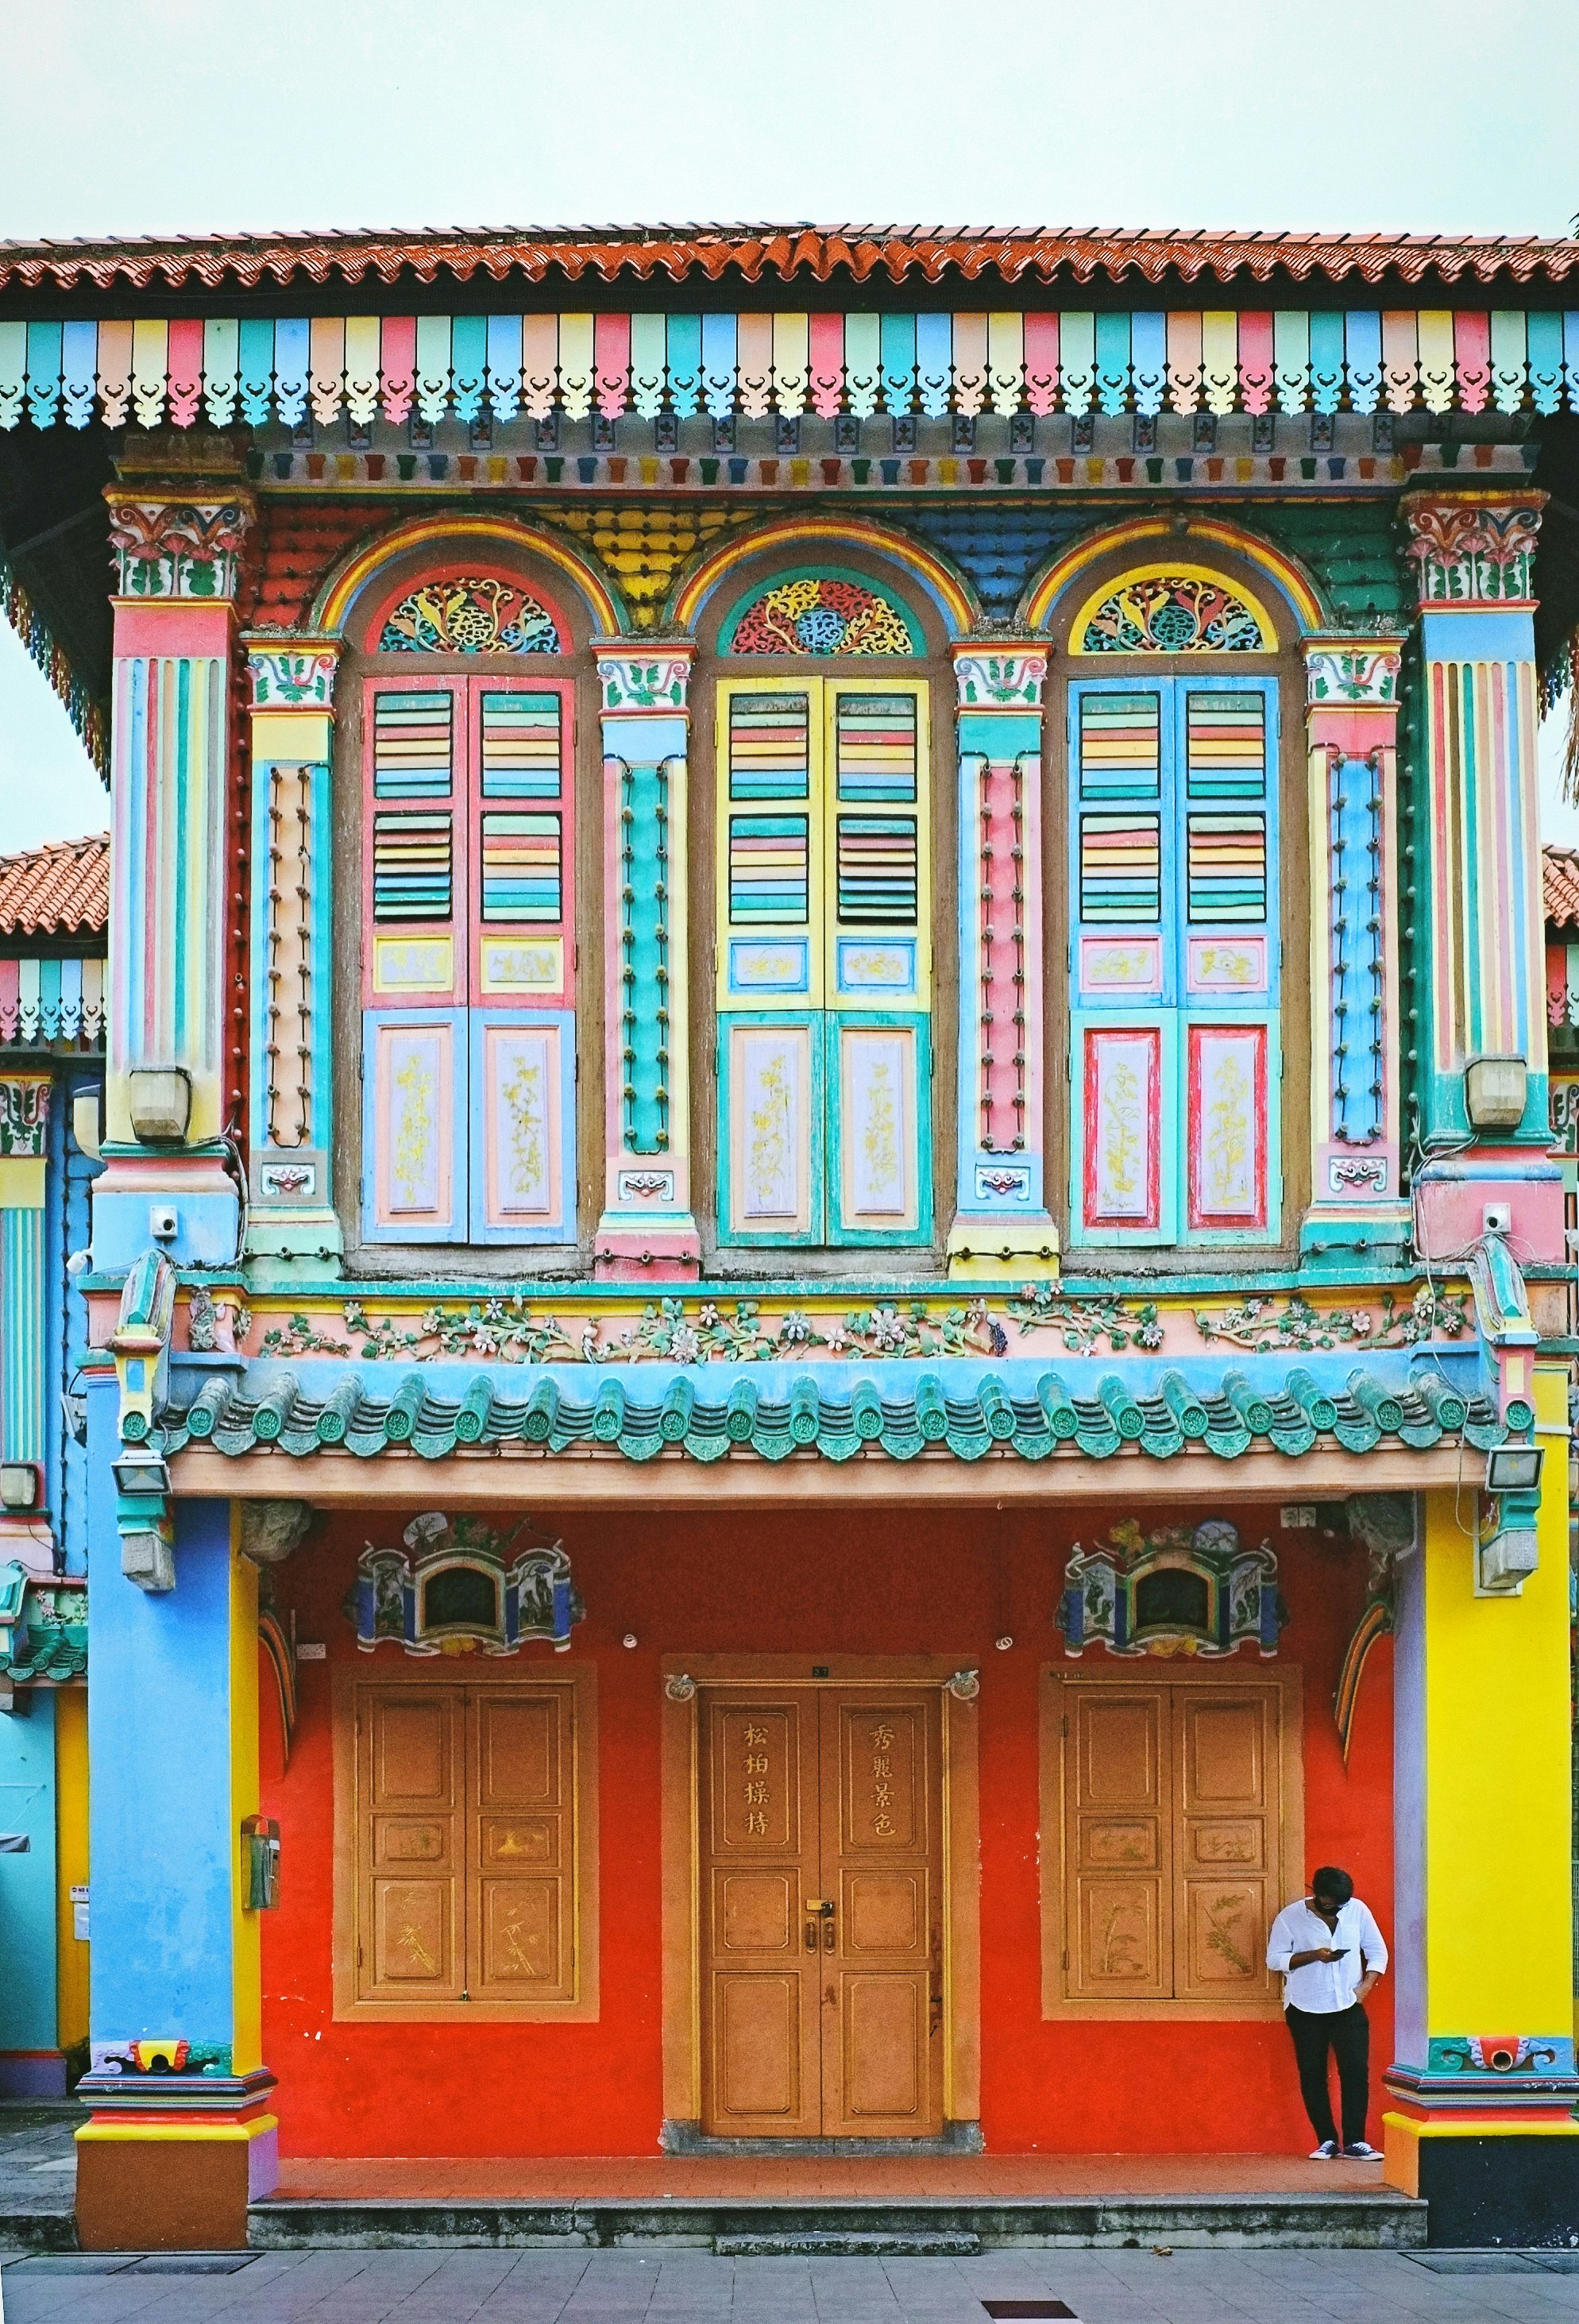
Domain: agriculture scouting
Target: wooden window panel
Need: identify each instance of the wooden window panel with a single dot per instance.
(410, 1752)
(520, 1869)
(1172, 1833)
(467, 1848)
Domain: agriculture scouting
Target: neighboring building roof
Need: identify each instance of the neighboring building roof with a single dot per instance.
(60, 891)
(1560, 884)
(781, 252)
(1017, 1408)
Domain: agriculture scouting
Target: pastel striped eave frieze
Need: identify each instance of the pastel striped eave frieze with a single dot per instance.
(48, 1001)
(183, 372)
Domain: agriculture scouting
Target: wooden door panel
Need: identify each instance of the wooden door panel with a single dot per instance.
(759, 2081)
(522, 1875)
(1118, 1930)
(1227, 1752)
(759, 1868)
(759, 1912)
(883, 2046)
(884, 1913)
(409, 1754)
(881, 2000)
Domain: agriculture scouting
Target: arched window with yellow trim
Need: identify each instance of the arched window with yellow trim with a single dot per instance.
(1175, 952)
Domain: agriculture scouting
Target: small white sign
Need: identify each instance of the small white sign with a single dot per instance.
(1297, 1517)
(311, 1651)
(79, 1915)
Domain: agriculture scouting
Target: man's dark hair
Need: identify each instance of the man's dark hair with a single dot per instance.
(1330, 1881)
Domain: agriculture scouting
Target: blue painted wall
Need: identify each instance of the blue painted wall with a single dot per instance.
(27, 1900)
(158, 1739)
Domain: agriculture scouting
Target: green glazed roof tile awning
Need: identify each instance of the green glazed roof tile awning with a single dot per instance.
(832, 1412)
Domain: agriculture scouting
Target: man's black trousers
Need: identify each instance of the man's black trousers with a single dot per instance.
(1347, 2032)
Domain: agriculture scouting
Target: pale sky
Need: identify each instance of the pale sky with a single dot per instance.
(189, 116)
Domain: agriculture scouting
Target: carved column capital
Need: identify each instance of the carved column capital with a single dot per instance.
(640, 680)
(1000, 673)
(295, 673)
(1472, 549)
(178, 541)
(1344, 672)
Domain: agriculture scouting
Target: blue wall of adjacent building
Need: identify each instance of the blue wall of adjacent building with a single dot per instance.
(159, 1740)
(30, 2059)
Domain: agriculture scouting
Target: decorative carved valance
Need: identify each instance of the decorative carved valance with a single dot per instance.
(1179, 1590)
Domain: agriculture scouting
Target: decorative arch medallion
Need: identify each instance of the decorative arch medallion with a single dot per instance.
(467, 613)
(827, 614)
(1172, 609)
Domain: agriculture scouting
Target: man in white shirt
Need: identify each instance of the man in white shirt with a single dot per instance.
(1328, 1950)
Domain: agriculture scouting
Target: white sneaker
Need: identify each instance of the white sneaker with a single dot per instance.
(1327, 2151)
(1362, 2152)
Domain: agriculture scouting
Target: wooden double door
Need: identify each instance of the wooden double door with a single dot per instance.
(821, 1912)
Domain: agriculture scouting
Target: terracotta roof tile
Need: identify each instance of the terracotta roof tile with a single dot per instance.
(60, 890)
(1560, 883)
(780, 252)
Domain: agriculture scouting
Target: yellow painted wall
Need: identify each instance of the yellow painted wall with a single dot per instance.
(71, 1955)
(1498, 1944)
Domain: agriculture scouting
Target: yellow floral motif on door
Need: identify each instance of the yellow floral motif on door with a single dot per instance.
(411, 1154)
(527, 1116)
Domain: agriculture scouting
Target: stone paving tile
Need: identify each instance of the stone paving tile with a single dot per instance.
(508, 2287)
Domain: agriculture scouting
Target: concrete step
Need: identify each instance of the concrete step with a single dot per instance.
(1382, 2221)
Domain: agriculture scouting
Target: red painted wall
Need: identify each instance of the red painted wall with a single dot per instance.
(883, 1582)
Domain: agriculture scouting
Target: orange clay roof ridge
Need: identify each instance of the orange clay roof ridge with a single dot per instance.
(62, 890)
(352, 254)
(1560, 884)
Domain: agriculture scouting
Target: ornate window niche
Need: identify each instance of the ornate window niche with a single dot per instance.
(1179, 1590)
(455, 1589)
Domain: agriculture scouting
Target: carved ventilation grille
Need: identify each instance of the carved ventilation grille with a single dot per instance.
(815, 616)
(1173, 614)
(473, 615)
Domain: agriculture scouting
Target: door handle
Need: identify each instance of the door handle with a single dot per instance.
(829, 1934)
(811, 1936)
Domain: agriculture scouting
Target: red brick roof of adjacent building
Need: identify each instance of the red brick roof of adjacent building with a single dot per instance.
(60, 891)
(780, 252)
(1560, 883)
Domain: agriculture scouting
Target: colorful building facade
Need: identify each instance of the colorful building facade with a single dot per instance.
(53, 912)
(829, 1304)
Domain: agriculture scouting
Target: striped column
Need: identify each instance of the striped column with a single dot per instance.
(24, 1124)
(1001, 1227)
(292, 1229)
(1482, 1004)
(647, 1232)
(1352, 706)
(178, 555)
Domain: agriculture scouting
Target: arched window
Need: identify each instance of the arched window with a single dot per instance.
(824, 904)
(1175, 959)
(469, 915)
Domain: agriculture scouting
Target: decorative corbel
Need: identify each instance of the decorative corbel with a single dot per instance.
(271, 1530)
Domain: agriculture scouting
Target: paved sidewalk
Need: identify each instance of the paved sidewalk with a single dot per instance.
(419, 2287)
